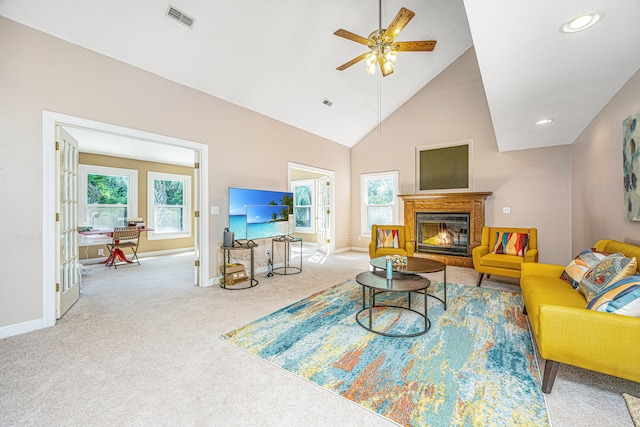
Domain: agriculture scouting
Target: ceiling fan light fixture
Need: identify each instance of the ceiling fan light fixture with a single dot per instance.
(582, 22)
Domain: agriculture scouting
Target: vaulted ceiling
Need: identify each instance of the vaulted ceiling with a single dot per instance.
(279, 58)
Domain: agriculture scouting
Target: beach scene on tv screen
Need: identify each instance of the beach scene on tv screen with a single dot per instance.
(255, 214)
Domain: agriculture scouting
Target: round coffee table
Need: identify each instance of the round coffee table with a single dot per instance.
(415, 266)
(378, 283)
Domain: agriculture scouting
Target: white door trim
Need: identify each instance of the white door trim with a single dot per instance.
(49, 122)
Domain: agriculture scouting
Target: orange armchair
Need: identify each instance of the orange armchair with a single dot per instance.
(390, 240)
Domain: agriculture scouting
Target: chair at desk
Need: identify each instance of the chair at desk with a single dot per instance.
(123, 237)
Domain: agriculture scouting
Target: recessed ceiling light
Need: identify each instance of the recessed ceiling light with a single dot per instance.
(544, 121)
(582, 22)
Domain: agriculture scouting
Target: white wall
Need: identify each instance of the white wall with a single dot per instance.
(39, 72)
(598, 194)
(535, 184)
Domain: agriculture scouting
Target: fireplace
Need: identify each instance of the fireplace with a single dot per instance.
(462, 218)
(442, 233)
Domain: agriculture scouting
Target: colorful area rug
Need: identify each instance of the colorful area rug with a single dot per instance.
(475, 367)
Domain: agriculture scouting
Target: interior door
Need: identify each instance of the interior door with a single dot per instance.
(323, 214)
(67, 265)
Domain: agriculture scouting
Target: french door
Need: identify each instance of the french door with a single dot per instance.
(67, 264)
(323, 214)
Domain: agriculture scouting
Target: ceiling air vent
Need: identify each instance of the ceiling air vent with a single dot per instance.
(327, 103)
(181, 17)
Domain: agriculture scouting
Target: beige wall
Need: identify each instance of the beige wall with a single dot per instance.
(535, 184)
(598, 195)
(39, 72)
(146, 245)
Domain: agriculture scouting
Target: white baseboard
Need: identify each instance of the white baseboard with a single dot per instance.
(20, 328)
(359, 249)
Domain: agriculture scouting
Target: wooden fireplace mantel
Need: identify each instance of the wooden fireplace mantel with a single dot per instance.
(473, 203)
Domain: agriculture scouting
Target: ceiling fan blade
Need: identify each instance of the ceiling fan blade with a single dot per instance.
(353, 37)
(399, 22)
(382, 68)
(417, 46)
(353, 61)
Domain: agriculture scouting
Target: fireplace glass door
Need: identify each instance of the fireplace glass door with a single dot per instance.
(442, 233)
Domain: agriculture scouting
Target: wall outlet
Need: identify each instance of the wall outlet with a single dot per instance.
(101, 252)
(506, 210)
(267, 253)
(245, 255)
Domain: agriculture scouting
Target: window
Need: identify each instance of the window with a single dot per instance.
(108, 196)
(303, 206)
(168, 205)
(379, 200)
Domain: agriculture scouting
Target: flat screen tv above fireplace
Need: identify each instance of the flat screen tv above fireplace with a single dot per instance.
(444, 167)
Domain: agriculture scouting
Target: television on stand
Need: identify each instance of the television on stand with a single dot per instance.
(259, 214)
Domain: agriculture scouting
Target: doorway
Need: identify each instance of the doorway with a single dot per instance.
(53, 121)
(322, 184)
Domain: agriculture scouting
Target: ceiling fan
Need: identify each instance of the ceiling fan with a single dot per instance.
(384, 48)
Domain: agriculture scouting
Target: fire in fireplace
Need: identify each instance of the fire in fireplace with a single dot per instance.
(442, 233)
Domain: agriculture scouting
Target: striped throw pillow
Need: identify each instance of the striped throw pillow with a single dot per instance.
(622, 297)
(511, 243)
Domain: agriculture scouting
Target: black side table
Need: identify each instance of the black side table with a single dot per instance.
(286, 268)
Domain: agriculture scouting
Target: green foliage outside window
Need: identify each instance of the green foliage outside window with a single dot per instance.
(168, 192)
(107, 189)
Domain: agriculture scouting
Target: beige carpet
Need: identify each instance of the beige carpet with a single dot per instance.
(141, 347)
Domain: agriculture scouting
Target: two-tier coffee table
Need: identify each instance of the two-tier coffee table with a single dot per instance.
(376, 282)
(415, 266)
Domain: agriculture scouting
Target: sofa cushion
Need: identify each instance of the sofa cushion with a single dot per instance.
(511, 243)
(502, 261)
(388, 238)
(544, 290)
(621, 297)
(577, 268)
(607, 271)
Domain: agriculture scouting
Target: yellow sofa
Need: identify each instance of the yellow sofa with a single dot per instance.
(567, 332)
(405, 248)
(485, 261)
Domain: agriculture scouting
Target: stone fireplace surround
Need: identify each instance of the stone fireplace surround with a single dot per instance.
(472, 203)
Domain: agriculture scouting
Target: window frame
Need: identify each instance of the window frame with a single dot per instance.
(364, 205)
(152, 176)
(84, 170)
(311, 183)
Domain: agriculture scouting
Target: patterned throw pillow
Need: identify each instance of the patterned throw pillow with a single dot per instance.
(577, 268)
(622, 297)
(511, 243)
(388, 239)
(609, 270)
